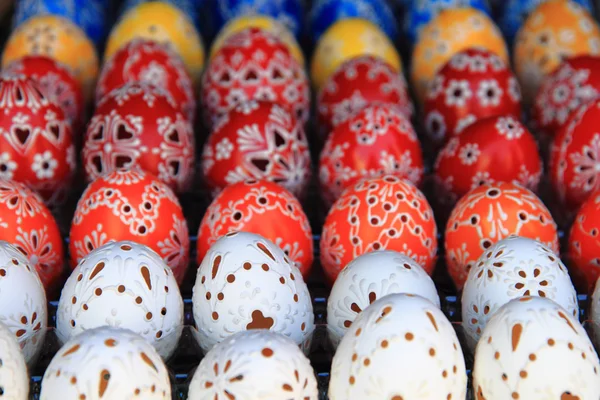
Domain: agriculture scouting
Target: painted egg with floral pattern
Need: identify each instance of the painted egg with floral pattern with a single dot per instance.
(257, 140)
(28, 225)
(575, 83)
(257, 356)
(264, 208)
(106, 362)
(139, 124)
(377, 141)
(59, 39)
(324, 13)
(14, 379)
(584, 244)
(423, 11)
(594, 315)
(254, 65)
(37, 145)
(24, 308)
(575, 157)
(155, 63)
(246, 282)
(488, 214)
(473, 85)
(56, 80)
(124, 285)
(163, 23)
(401, 347)
(555, 30)
(386, 213)
(347, 39)
(131, 205)
(512, 268)
(452, 31)
(357, 83)
(263, 22)
(531, 347)
(369, 277)
(494, 149)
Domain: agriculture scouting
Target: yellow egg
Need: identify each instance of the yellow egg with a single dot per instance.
(452, 31)
(60, 39)
(555, 30)
(346, 39)
(163, 23)
(263, 22)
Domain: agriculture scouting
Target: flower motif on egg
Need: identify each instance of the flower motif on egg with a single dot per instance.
(131, 205)
(513, 267)
(473, 84)
(264, 208)
(257, 140)
(254, 64)
(401, 347)
(584, 246)
(532, 346)
(23, 297)
(358, 82)
(138, 124)
(155, 63)
(125, 285)
(14, 379)
(37, 147)
(378, 140)
(488, 214)
(109, 363)
(246, 282)
(233, 367)
(369, 277)
(385, 213)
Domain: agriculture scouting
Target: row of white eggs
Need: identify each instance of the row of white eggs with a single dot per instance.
(246, 282)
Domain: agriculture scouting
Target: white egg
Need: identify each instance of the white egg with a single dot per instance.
(532, 348)
(368, 278)
(594, 314)
(254, 365)
(513, 267)
(14, 381)
(106, 363)
(126, 285)
(401, 347)
(247, 282)
(23, 299)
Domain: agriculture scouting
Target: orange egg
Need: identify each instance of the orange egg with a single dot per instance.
(386, 213)
(488, 214)
(584, 243)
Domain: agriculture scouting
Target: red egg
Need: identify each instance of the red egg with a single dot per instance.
(131, 205)
(257, 140)
(575, 157)
(357, 83)
(377, 141)
(494, 149)
(264, 208)
(26, 223)
(56, 80)
(474, 84)
(254, 64)
(574, 83)
(147, 61)
(584, 244)
(386, 213)
(138, 124)
(489, 213)
(36, 146)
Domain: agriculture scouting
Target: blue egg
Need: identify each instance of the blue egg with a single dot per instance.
(218, 12)
(515, 12)
(423, 11)
(191, 8)
(89, 15)
(325, 13)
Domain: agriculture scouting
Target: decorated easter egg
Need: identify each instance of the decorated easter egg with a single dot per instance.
(14, 379)
(584, 245)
